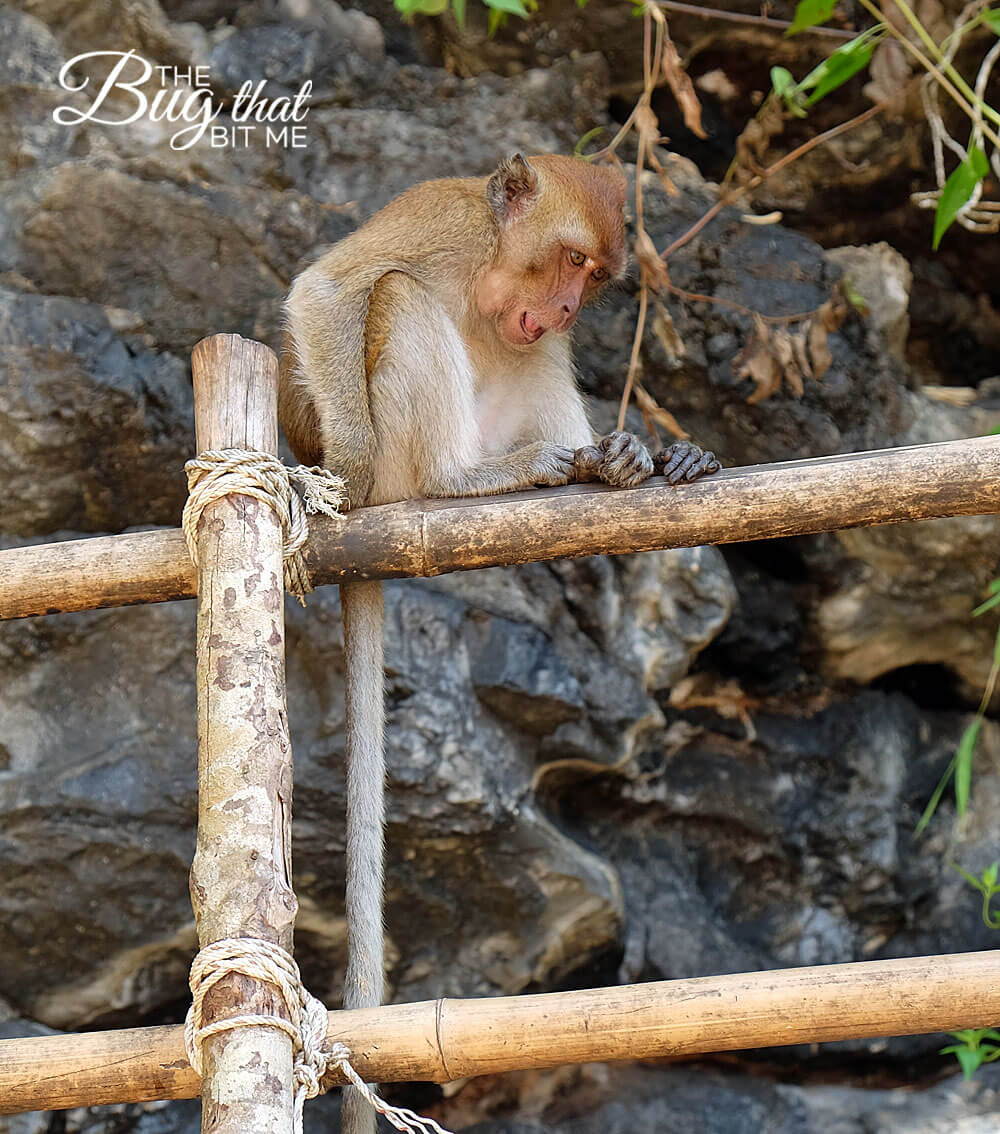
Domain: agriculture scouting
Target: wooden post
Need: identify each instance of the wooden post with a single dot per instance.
(241, 876)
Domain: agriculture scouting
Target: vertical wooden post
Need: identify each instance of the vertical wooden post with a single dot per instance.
(241, 876)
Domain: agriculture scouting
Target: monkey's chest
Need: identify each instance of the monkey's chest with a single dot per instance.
(500, 419)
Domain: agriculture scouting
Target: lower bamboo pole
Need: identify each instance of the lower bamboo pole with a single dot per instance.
(442, 1040)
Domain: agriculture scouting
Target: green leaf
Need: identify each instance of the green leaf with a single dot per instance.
(990, 878)
(974, 882)
(787, 90)
(970, 1059)
(957, 190)
(809, 13)
(783, 81)
(514, 6)
(994, 431)
(991, 18)
(458, 7)
(842, 65)
(989, 604)
(963, 763)
(935, 799)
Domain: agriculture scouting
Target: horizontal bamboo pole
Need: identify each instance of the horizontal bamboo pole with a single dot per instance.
(432, 537)
(442, 1040)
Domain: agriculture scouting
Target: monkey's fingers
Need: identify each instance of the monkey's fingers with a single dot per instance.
(614, 444)
(684, 461)
(587, 464)
(626, 462)
(552, 464)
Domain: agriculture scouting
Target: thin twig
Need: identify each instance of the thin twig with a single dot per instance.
(748, 18)
(793, 155)
(698, 297)
(819, 139)
(633, 362)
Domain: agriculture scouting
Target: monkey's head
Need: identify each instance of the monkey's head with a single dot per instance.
(561, 237)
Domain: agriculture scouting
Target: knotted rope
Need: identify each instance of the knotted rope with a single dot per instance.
(306, 1025)
(220, 472)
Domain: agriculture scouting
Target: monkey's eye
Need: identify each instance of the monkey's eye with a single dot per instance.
(577, 259)
(599, 275)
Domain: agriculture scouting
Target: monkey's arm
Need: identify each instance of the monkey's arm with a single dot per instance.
(323, 398)
(619, 459)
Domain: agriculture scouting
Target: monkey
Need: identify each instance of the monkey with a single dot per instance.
(428, 354)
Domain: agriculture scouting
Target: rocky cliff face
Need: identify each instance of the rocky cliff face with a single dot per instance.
(657, 766)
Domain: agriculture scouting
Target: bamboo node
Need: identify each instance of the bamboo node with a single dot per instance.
(216, 473)
(306, 1025)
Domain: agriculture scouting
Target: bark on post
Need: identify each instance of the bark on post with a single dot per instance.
(241, 876)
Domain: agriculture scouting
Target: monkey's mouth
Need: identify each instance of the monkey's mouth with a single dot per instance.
(531, 328)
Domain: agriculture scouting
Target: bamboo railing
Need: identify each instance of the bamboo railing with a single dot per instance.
(241, 876)
(433, 537)
(442, 1040)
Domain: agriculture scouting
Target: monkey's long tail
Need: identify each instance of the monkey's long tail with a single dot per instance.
(362, 611)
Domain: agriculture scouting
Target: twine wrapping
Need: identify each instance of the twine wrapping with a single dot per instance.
(305, 1026)
(216, 473)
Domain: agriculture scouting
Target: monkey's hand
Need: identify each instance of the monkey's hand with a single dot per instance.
(547, 463)
(684, 461)
(619, 459)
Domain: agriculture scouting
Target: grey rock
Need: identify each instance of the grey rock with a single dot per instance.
(677, 1100)
(794, 848)
(29, 54)
(119, 25)
(403, 129)
(89, 421)
(882, 278)
(192, 262)
(857, 404)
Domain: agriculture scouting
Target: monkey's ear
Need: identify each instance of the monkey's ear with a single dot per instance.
(512, 189)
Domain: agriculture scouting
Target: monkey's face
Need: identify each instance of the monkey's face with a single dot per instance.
(561, 238)
(527, 299)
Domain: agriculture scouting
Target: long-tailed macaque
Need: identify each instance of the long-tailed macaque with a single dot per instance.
(427, 354)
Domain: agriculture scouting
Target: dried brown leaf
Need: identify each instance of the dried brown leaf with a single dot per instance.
(890, 73)
(781, 343)
(752, 145)
(801, 351)
(703, 691)
(819, 351)
(649, 259)
(646, 121)
(757, 362)
(951, 395)
(680, 83)
(666, 332)
(832, 313)
(653, 411)
(661, 173)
